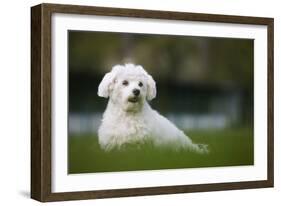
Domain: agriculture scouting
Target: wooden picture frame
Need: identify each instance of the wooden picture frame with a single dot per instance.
(41, 98)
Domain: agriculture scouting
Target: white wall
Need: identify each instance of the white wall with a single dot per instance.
(15, 101)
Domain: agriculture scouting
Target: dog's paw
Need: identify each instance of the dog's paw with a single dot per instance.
(202, 148)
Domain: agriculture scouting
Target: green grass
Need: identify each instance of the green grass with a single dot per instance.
(227, 148)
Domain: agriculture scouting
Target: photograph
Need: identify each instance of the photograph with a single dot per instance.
(140, 101)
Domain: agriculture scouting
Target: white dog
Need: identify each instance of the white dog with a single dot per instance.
(129, 118)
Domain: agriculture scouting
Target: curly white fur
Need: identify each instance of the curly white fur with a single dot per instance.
(129, 118)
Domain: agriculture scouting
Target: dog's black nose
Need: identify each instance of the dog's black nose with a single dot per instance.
(136, 92)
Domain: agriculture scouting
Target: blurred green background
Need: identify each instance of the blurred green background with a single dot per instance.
(204, 86)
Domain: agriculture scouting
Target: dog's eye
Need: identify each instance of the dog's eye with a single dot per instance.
(140, 84)
(125, 82)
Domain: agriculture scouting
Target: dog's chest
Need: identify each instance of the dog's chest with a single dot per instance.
(130, 127)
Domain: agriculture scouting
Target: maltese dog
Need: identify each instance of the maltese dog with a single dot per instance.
(129, 118)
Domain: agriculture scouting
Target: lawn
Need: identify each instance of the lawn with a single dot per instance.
(227, 148)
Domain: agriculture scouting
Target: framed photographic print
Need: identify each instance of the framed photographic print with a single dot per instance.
(132, 102)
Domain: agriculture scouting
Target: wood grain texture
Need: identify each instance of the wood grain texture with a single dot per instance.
(41, 175)
(156, 190)
(122, 12)
(40, 102)
(36, 130)
(270, 102)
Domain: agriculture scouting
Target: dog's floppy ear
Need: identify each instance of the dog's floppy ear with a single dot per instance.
(151, 88)
(108, 79)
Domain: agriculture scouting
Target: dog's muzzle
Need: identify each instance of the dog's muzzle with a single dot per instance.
(135, 98)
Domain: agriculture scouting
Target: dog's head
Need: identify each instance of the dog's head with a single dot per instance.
(128, 85)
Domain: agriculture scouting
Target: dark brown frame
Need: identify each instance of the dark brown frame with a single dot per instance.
(41, 101)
